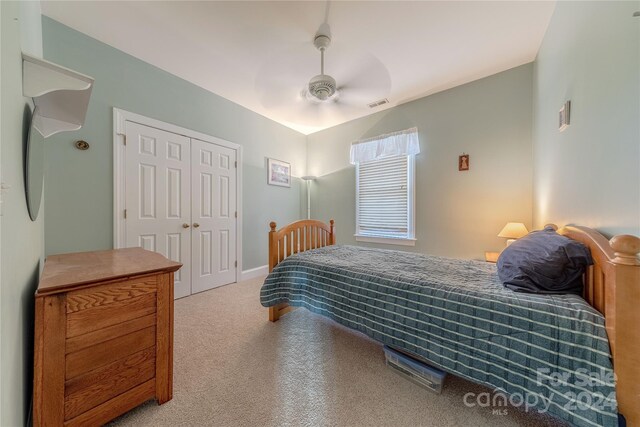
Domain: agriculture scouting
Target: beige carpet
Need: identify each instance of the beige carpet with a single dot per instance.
(234, 368)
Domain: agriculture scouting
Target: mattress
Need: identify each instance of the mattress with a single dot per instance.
(547, 352)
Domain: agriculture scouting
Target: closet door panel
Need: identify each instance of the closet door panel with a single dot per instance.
(214, 215)
(157, 201)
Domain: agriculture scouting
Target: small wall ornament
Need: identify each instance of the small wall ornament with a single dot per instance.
(564, 116)
(463, 162)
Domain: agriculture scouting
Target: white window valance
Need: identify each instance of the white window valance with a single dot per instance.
(401, 143)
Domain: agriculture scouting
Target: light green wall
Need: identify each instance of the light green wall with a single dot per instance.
(590, 173)
(458, 214)
(21, 239)
(80, 183)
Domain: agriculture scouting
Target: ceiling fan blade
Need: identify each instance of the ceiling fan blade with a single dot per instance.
(312, 113)
(279, 80)
(362, 78)
(274, 94)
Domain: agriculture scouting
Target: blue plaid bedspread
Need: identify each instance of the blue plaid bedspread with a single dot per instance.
(545, 352)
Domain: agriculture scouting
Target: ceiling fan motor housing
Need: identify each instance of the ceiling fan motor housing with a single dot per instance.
(321, 41)
(322, 87)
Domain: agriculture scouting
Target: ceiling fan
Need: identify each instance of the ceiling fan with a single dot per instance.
(322, 87)
(357, 78)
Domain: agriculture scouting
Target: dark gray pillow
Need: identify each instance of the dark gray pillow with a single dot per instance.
(544, 262)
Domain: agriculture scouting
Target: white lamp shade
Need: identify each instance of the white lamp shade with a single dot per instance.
(513, 230)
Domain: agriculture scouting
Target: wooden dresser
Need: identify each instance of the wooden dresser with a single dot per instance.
(103, 335)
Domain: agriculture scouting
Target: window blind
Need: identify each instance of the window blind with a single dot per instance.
(383, 197)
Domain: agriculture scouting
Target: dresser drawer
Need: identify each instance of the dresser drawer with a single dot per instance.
(97, 386)
(93, 309)
(93, 357)
(111, 342)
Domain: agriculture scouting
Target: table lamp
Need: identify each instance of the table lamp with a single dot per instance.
(513, 231)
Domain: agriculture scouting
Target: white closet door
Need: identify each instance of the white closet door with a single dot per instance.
(157, 197)
(213, 210)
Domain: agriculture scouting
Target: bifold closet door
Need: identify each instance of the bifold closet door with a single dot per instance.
(213, 212)
(157, 201)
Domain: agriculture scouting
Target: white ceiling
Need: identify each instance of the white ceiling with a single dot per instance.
(260, 54)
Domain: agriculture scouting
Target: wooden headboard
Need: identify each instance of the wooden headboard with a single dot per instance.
(297, 237)
(612, 286)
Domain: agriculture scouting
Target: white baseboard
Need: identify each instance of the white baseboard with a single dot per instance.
(252, 273)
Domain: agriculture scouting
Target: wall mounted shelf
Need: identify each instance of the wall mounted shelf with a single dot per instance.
(61, 95)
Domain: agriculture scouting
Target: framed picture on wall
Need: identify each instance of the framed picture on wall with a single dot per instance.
(278, 173)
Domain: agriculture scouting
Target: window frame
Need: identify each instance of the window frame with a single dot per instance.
(410, 239)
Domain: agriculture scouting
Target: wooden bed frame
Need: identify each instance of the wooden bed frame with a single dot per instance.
(612, 286)
(296, 237)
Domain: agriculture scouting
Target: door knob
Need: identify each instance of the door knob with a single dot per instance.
(185, 225)
(196, 225)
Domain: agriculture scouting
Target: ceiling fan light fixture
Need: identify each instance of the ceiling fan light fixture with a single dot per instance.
(322, 87)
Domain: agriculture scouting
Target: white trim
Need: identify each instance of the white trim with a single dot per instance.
(411, 203)
(385, 240)
(252, 273)
(122, 116)
(239, 209)
(119, 195)
(119, 119)
(357, 165)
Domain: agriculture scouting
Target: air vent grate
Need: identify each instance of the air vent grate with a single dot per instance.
(379, 103)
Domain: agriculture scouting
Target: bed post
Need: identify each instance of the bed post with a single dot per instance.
(273, 246)
(626, 351)
(274, 312)
(291, 239)
(332, 233)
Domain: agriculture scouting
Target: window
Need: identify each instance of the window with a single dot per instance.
(385, 200)
(385, 187)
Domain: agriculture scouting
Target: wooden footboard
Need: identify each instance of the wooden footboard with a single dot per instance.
(612, 286)
(296, 237)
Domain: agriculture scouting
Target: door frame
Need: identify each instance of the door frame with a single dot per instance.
(119, 118)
